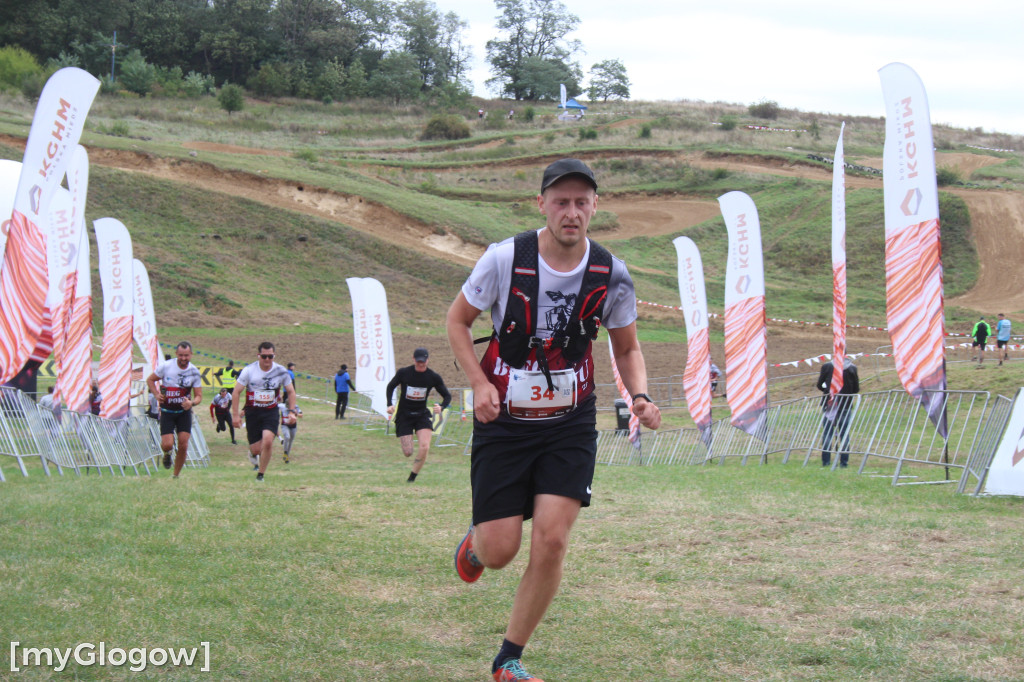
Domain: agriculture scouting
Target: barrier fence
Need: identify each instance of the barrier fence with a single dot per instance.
(884, 433)
(85, 443)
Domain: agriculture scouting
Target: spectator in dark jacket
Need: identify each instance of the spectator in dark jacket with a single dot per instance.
(837, 411)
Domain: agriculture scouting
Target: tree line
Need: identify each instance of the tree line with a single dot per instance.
(323, 49)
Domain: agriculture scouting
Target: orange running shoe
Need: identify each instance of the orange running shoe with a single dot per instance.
(467, 565)
(513, 670)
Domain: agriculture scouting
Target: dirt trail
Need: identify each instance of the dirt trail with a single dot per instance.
(355, 212)
(997, 217)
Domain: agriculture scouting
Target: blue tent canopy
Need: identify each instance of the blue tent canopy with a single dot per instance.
(572, 104)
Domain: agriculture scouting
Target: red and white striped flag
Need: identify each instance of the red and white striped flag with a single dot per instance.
(56, 129)
(144, 316)
(115, 258)
(913, 250)
(746, 340)
(63, 257)
(634, 421)
(838, 273)
(697, 376)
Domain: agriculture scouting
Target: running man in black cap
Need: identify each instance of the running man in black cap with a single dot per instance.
(412, 414)
(548, 292)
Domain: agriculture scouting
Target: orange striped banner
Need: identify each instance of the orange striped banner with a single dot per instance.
(76, 367)
(116, 367)
(746, 340)
(838, 272)
(745, 351)
(697, 381)
(23, 286)
(913, 251)
(634, 421)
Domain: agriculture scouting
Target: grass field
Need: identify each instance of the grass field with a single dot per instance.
(336, 569)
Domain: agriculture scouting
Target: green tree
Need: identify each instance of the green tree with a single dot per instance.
(531, 29)
(397, 78)
(608, 80)
(355, 83)
(329, 84)
(15, 65)
(137, 75)
(541, 79)
(231, 98)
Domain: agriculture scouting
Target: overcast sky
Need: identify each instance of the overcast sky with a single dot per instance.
(813, 55)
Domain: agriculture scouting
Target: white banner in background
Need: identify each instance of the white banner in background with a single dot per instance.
(1006, 474)
(838, 271)
(697, 375)
(375, 350)
(56, 129)
(746, 340)
(913, 250)
(114, 246)
(144, 316)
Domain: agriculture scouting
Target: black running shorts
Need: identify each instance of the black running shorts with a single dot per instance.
(175, 422)
(406, 423)
(260, 419)
(1001, 344)
(507, 472)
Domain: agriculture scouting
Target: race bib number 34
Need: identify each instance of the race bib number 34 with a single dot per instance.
(528, 395)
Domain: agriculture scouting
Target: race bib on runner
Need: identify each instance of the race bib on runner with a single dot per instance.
(264, 398)
(416, 393)
(528, 396)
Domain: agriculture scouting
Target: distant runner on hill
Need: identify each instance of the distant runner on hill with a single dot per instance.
(1002, 337)
(981, 332)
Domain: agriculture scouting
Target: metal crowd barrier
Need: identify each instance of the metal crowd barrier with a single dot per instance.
(888, 425)
(84, 442)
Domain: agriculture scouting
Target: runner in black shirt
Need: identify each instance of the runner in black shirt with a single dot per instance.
(413, 415)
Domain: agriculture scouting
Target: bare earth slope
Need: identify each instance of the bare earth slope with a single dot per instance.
(997, 220)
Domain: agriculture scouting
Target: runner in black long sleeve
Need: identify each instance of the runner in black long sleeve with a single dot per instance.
(413, 415)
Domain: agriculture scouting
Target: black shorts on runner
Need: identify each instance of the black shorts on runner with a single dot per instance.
(175, 422)
(260, 419)
(979, 342)
(1001, 344)
(507, 472)
(407, 423)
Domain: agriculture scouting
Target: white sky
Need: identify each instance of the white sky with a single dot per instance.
(813, 55)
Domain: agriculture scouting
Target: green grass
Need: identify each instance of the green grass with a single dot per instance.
(336, 569)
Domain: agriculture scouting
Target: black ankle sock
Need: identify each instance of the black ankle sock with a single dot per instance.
(412, 476)
(508, 650)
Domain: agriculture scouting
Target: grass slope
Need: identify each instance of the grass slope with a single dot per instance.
(336, 569)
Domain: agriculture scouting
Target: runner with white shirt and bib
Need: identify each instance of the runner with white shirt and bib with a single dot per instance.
(263, 382)
(180, 389)
(534, 430)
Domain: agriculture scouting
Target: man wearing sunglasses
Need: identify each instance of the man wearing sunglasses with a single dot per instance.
(263, 382)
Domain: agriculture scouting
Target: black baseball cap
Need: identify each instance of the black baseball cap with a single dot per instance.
(565, 167)
(420, 354)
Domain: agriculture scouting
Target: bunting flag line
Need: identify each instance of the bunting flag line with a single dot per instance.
(634, 421)
(375, 351)
(838, 275)
(746, 341)
(114, 247)
(913, 257)
(56, 129)
(697, 375)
